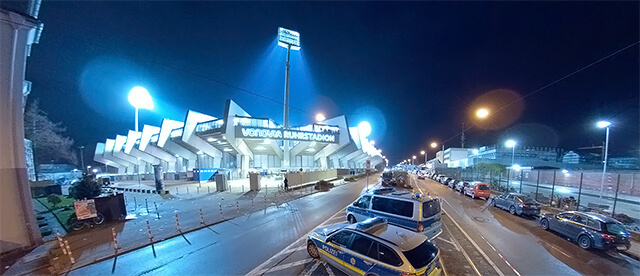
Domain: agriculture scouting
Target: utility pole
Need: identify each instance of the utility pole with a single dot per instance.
(82, 158)
(462, 138)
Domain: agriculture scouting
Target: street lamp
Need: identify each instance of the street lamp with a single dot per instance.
(482, 113)
(364, 128)
(139, 98)
(511, 144)
(604, 124)
(425, 156)
(320, 117)
(414, 158)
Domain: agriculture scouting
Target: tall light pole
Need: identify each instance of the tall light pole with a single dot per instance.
(291, 40)
(425, 156)
(412, 161)
(82, 157)
(604, 124)
(139, 98)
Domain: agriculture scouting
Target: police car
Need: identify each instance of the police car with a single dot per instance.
(373, 247)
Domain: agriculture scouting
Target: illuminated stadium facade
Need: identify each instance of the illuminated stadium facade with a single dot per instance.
(238, 143)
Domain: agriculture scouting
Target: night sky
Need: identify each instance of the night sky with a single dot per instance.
(416, 71)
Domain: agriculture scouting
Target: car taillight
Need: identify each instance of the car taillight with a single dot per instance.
(608, 237)
(420, 227)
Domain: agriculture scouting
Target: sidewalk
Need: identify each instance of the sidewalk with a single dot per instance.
(152, 218)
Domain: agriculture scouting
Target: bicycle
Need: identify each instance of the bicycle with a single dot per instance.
(79, 224)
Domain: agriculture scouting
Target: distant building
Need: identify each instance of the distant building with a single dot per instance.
(625, 163)
(571, 158)
(524, 156)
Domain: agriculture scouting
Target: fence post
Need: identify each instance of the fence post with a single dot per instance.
(499, 180)
(553, 186)
(115, 241)
(579, 192)
(71, 258)
(146, 203)
(615, 199)
(521, 177)
(508, 180)
(178, 224)
(537, 185)
(149, 231)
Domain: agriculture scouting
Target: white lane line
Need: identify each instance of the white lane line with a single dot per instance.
(495, 267)
(558, 249)
(464, 252)
(285, 266)
(448, 241)
(313, 268)
(294, 249)
(259, 270)
(328, 269)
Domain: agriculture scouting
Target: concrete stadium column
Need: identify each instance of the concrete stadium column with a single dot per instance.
(245, 165)
(324, 163)
(18, 227)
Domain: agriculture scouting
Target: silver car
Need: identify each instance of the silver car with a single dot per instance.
(519, 204)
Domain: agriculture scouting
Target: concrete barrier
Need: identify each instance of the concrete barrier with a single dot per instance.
(297, 179)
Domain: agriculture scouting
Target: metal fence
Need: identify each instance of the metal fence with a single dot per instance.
(617, 194)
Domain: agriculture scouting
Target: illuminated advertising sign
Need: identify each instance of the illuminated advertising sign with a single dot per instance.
(286, 134)
(288, 38)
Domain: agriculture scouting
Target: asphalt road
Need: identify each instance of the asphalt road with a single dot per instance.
(515, 245)
(233, 247)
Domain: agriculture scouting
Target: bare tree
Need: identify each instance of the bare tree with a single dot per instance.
(48, 142)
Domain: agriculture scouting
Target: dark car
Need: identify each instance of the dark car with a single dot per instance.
(452, 183)
(588, 229)
(517, 204)
(444, 180)
(460, 186)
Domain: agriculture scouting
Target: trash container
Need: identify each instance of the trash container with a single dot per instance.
(254, 181)
(221, 182)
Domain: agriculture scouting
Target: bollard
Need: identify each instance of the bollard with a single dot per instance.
(135, 204)
(197, 190)
(178, 224)
(61, 243)
(208, 189)
(237, 207)
(242, 188)
(71, 259)
(115, 241)
(149, 232)
(252, 204)
(157, 213)
(146, 204)
(187, 189)
(176, 190)
(201, 217)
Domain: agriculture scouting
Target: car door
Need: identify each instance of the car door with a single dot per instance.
(560, 223)
(500, 200)
(575, 225)
(357, 257)
(334, 248)
(361, 209)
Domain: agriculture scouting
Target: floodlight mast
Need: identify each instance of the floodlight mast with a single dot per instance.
(290, 40)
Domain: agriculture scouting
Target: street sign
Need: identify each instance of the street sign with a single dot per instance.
(368, 165)
(288, 38)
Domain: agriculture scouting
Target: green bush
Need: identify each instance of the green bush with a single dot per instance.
(54, 199)
(87, 187)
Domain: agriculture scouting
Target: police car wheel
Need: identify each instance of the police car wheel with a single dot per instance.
(351, 219)
(312, 249)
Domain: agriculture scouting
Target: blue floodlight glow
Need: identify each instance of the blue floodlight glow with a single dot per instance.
(510, 143)
(364, 128)
(139, 97)
(603, 124)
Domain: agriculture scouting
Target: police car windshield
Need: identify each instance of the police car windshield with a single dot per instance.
(421, 255)
(431, 208)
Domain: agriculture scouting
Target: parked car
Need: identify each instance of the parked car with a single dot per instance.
(445, 180)
(519, 204)
(421, 175)
(589, 230)
(460, 186)
(478, 189)
(452, 183)
(375, 248)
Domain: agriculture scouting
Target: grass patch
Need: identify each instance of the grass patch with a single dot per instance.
(63, 216)
(66, 201)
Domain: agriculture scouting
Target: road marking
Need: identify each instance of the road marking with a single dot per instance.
(464, 253)
(558, 249)
(505, 260)
(495, 267)
(285, 266)
(313, 268)
(449, 242)
(328, 269)
(259, 270)
(294, 249)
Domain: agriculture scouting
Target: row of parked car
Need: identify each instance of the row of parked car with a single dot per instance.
(587, 229)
